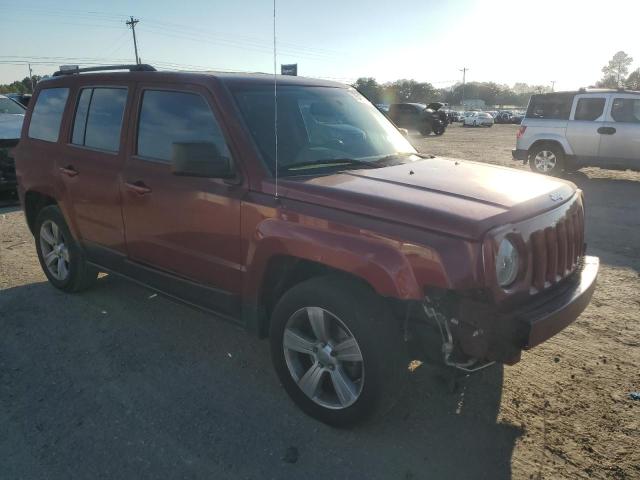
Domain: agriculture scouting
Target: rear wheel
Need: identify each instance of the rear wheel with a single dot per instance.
(60, 256)
(337, 350)
(425, 129)
(547, 159)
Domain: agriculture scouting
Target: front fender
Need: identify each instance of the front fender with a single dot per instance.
(378, 262)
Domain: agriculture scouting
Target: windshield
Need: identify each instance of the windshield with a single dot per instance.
(317, 124)
(9, 106)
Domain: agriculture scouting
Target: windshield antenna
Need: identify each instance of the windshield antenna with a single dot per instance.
(275, 95)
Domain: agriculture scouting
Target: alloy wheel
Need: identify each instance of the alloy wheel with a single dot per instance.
(323, 358)
(545, 161)
(55, 252)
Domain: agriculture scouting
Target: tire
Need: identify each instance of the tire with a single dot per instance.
(547, 159)
(60, 256)
(425, 130)
(372, 384)
(475, 124)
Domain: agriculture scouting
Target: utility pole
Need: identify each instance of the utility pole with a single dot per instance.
(132, 24)
(464, 77)
(31, 78)
(553, 85)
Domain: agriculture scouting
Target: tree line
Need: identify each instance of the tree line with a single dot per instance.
(20, 86)
(615, 75)
(423, 92)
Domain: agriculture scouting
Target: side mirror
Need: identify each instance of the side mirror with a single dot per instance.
(200, 159)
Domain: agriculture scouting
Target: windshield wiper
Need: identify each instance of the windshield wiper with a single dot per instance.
(329, 162)
(395, 156)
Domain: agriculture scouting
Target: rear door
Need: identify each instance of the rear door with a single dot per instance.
(182, 225)
(92, 162)
(620, 135)
(587, 116)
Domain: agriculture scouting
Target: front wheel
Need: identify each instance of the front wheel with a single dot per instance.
(337, 350)
(546, 159)
(439, 130)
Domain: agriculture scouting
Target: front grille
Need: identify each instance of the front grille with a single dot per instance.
(557, 250)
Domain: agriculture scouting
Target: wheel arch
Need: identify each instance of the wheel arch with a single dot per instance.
(283, 254)
(559, 142)
(34, 202)
(284, 272)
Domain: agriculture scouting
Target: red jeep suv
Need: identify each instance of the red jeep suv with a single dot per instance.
(294, 207)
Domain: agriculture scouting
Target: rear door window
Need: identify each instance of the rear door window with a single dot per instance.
(98, 119)
(175, 117)
(556, 106)
(589, 109)
(47, 114)
(626, 110)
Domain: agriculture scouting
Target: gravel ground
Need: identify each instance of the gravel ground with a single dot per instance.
(118, 382)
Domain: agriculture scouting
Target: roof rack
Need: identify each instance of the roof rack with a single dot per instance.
(74, 69)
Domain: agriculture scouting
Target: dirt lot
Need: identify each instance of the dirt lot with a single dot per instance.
(120, 383)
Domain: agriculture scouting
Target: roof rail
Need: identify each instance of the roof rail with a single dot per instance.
(74, 69)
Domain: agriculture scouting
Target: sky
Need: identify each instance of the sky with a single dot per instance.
(506, 41)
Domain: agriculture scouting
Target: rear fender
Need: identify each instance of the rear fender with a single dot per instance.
(551, 138)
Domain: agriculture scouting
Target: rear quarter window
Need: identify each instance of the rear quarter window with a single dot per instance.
(626, 110)
(550, 106)
(47, 114)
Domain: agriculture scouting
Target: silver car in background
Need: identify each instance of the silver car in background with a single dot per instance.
(565, 131)
(478, 119)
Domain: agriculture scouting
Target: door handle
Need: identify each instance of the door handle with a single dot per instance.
(138, 187)
(606, 130)
(69, 171)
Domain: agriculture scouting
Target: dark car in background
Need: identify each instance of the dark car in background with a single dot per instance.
(517, 117)
(417, 116)
(22, 98)
(504, 116)
(11, 119)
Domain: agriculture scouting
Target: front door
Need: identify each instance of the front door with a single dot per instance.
(587, 117)
(620, 137)
(185, 226)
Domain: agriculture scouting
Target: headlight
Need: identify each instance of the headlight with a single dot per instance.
(507, 262)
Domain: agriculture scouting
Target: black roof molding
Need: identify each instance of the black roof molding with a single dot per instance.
(143, 67)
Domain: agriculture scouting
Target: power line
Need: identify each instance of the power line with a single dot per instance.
(132, 23)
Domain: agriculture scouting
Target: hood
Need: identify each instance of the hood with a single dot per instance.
(10, 125)
(455, 197)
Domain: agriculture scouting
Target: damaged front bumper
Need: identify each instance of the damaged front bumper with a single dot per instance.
(477, 332)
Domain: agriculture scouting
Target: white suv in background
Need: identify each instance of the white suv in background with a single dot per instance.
(569, 130)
